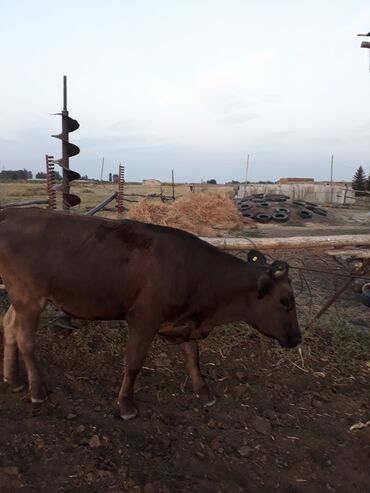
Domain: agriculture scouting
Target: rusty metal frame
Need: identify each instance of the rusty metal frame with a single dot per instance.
(50, 182)
(121, 189)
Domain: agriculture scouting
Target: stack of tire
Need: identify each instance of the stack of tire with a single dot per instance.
(281, 213)
(261, 201)
(307, 209)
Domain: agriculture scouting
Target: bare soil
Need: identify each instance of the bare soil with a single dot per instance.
(281, 423)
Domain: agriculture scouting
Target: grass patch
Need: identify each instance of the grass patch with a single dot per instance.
(351, 344)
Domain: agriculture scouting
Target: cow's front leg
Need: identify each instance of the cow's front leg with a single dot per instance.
(135, 354)
(11, 363)
(190, 352)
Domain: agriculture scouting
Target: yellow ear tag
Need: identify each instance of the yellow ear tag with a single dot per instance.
(255, 259)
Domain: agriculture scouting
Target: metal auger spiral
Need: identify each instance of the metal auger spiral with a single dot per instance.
(68, 150)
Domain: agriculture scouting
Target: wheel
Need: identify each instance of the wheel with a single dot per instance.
(320, 212)
(246, 205)
(304, 214)
(264, 204)
(248, 214)
(365, 296)
(257, 200)
(284, 210)
(276, 197)
(299, 203)
(280, 217)
(262, 218)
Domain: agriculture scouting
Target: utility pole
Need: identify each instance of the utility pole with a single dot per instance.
(173, 186)
(331, 178)
(246, 176)
(101, 172)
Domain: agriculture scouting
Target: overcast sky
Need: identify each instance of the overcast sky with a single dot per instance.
(188, 85)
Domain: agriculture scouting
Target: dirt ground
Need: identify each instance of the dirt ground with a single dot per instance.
(281, 422)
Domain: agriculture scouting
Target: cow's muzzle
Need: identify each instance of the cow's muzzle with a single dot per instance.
(291, 340)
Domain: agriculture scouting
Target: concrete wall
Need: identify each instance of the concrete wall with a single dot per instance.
(320, 194)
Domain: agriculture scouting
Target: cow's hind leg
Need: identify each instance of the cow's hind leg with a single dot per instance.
(135, 354)
(190, 352)
(25, 325)
(11, 363)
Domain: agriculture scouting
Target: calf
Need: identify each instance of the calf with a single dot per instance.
(160, 280)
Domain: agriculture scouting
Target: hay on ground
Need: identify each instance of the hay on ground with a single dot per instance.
(205, 214)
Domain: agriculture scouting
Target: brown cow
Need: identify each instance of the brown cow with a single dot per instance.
(161, 280)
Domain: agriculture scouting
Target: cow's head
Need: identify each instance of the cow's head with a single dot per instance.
(273, 308)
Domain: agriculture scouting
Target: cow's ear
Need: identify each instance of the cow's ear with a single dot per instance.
(256, 257)
(264, 285)
(279, 269)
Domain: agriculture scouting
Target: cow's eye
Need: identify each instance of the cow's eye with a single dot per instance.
(285, 302)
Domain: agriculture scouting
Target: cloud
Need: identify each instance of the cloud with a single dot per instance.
(238, 118)
(326, 141)
(362, 129)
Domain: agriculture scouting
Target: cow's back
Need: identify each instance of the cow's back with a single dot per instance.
(97, 268)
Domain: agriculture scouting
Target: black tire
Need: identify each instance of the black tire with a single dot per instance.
(305, 214)
(280, 199)
(280, 217)
(262, 218)
(276, 197)
(248, 214)
(264, 204)
(299, 203)
(320, 212)
(311, 204)
(257, 200)
(283, 210)
(257, 195)
(246, 205)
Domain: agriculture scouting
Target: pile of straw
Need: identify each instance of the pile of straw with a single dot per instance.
(205, 214)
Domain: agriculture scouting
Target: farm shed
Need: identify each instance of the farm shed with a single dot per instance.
(151, 182)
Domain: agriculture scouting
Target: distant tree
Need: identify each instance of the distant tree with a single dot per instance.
(115, 178)
(57, 175)
(368, 183)
(20, 174)
(359, 181)
(110, 177)
(212, 182)
(40, 175)
(84, 177)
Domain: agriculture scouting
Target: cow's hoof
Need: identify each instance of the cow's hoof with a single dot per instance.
(132, 415)
(6, 386)
(36, 408)
(207, 399)
(127, 409)
(17, 389)
(211, 401)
